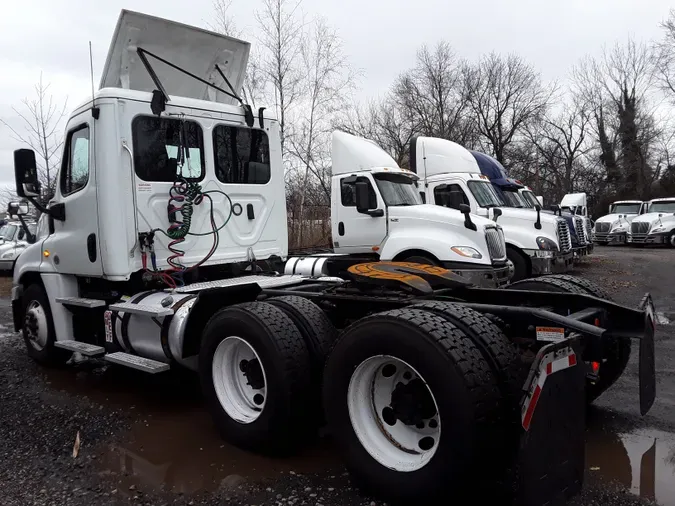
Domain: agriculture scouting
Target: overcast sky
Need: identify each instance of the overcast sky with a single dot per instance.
(380, 37)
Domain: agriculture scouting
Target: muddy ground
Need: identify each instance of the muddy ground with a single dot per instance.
(148, 440)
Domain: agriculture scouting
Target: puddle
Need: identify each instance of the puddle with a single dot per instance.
(642, 462)
(183, 453)
(661, 318)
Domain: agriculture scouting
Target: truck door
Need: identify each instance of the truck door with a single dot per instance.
(74, 245)
(358, 232)
(450, 195)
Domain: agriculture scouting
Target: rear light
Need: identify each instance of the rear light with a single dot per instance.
(596, 367)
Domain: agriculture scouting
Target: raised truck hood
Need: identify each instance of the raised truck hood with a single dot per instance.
(193, 49)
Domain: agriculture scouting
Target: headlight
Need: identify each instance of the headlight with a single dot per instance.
(619, 228)
(546, 244)
(8, 255)
(466, 251)
(658, 228)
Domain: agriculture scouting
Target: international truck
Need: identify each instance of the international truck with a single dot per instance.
(164, 236)
(656, 225)
(377, 213)
(615, 227)
(451, 176)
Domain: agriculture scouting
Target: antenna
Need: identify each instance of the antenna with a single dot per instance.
(94, 110)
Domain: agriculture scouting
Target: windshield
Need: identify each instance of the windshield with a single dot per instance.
(8, 232)
(662, 207)
(485, 194)
(513, 198)
(625, 208)
(398, 190)
(529, 199)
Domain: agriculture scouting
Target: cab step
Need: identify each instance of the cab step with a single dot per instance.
(136, 362)
(86, 349)
(81, 302)
(140, 309)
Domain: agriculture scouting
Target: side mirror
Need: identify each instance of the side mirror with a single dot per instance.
(362, 196)
(17, 209)
(21, 235)
(466, 211)
(537, 224)
(496, 212)
(25, 173)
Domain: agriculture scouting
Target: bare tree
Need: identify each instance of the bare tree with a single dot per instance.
(561, 141)
(282, 32)
(430, 95)
(329, 81)
(505, 94)
(616, 86)
(41, 130)
(663, 57)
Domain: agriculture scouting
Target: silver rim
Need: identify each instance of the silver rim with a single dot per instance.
(394, 413)
(239, 380)
(36, 325)
(672, 240)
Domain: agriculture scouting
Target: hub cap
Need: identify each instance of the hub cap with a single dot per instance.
(36, 325)
(394, 413)
(239, 380)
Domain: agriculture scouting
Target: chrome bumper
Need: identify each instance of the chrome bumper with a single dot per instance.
(555, 264)
(488, 278)
(616, 238)
(660, 238)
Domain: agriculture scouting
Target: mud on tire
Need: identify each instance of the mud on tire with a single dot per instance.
(280, 350)
(38, 328)
(462, 384)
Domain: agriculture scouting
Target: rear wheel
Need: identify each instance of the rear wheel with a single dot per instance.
(616, 351)
(413, 405)
(38, 328)
(255, 372)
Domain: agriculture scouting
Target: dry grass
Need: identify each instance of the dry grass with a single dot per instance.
(5, 286)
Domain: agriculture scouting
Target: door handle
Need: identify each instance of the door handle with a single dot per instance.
(249, 212)
(341, 228)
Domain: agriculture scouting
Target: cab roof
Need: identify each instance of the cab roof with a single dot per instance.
(430, 156)
(350, 153)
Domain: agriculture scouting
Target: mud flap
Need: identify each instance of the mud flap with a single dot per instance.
(551, 458)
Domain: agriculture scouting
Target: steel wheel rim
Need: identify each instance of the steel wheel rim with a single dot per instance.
(672, 240)
(403, 446)
(37, 330)
(239, 380)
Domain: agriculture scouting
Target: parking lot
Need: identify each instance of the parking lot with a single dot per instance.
(148, 439)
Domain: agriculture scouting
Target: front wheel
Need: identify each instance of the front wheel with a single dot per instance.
(671, 239)
(38, 328)
(255, 372)
(520, 267)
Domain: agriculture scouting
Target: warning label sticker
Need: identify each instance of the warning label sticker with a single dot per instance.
(551, 334)
(143, 187)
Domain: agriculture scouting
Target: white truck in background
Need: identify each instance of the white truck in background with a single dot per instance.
(615, 227)
(537, 243)
(15, 237)
(656, 225)
(377, 213)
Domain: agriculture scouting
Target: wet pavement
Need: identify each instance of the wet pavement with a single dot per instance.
(149, 440)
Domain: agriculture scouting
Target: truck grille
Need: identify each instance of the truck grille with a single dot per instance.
(589, 230)
(579, 229)
(495, 243)
(564, 239)
(639, 228)
(602, 228)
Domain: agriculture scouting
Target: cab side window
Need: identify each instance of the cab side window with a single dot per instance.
(75, 168)
(348, 191)
(450, 195)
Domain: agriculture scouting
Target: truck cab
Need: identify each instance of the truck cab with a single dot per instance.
(377, 209)
(615, 227)
(450, 176)
(656, 225)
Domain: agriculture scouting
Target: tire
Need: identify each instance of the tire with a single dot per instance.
(38, 328)
(421, 259)
(671, 239)
(587, 286)
(520, 266)
(616, 351)
(269, 337)
(462, 385)
(318, 333)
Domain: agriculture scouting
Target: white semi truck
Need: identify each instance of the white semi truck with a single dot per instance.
(614, 227)
(656, 225)
(536, 243)
(377, 213)
(164, 234)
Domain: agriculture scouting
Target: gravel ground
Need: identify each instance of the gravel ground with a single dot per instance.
(148, 440)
